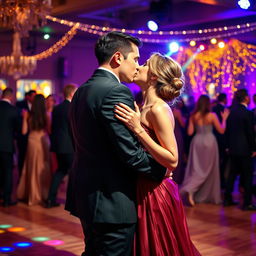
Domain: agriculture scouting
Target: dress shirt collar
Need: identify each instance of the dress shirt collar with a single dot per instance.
(244, 104)
(29, 105)
(7, 100)
(110, 72)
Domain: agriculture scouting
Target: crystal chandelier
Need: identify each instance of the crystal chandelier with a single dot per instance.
(21, 16)
(17, 65)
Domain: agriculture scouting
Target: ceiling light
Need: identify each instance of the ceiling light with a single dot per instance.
(152, 25)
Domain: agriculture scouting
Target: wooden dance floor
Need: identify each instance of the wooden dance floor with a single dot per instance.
(34, 230)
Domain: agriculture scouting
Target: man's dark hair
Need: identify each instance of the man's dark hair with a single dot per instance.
(221, 97)
(240, 95)
(7, 92)
(112, 42)
(30, 92)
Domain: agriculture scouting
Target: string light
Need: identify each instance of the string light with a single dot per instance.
(192, 43)
(58, 45)
(204, 38)
(19, 65)
(221, 44)
(225, 31)
(213, 41)
(201, 47)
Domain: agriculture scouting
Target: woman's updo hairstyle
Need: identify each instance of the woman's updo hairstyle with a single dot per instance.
(170, 79)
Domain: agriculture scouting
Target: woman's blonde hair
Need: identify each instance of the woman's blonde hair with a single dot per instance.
(170, 79)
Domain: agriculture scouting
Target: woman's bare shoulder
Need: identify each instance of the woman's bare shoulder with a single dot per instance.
(161, 111)
(160, 107)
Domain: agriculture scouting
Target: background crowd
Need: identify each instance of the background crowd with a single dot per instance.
(36, 140)
(216, 143)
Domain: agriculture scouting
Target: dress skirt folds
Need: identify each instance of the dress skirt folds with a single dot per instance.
(202, 176)
(162, 226)
(36, 174)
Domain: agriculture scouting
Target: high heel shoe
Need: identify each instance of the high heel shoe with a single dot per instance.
(190, 199)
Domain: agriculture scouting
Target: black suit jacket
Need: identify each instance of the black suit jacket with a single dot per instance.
(240, 132)
(218, 109)
(108, 157)
(8, 126)
(23, 104)
(61, 140)
(22, 139)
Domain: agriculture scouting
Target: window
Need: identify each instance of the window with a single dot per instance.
(44, 87)
(3, 84)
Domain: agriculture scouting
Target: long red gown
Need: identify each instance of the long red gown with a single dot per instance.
(162, 227)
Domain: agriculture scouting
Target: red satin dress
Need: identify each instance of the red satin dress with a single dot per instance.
(162, 227)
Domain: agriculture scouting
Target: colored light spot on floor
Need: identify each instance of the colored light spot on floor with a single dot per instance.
(6, 249)
(23, 244)
(5, 226)
(53, 242)
(2, 231)
(40, 239)
(16, 229)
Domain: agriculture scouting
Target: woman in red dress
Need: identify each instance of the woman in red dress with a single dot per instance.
(162, 227)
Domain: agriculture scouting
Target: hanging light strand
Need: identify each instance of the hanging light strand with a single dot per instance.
(203, 38)
(58, 45)
(94, 29)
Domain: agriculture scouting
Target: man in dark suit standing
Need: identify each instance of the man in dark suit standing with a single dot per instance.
(22, 140)
(219, 109)
(108, 157)
(27, 102)
(8, 127)
(61, 143)
(241, 147)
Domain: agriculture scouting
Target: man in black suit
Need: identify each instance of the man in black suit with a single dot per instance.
(27, 102)
(241, 147)
(8, 128)
(61, 143)
(108, 157)
(219, 109)
(22, 140)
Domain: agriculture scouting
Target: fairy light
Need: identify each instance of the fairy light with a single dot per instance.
(232, 30)
(58, 45)
(213, 41)
(201, 47)
(192, 43)
(218, 65)
(221, 44)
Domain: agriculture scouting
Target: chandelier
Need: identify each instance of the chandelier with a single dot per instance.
(21, 16)
(17, 65)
